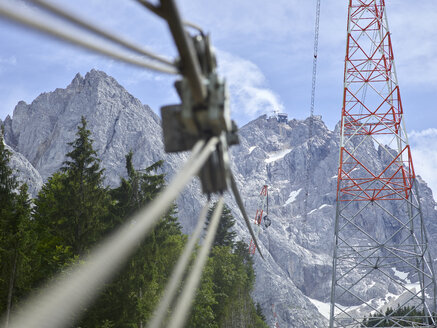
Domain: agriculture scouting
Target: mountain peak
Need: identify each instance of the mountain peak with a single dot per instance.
(94, 75)
(298, 244)
(77, 81)
(95, 79)
(41, 130)
(99, 77)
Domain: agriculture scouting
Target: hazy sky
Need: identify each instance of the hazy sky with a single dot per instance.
(265, 50)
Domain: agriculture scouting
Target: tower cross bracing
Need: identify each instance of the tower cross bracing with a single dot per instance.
(380, 237)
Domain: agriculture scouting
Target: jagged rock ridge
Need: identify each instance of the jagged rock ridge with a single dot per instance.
(297, 247)
(119, 123)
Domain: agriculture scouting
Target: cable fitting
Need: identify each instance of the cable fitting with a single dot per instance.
(190, 121)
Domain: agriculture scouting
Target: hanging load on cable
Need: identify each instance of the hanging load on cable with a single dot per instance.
(261, 216)
(275, 317)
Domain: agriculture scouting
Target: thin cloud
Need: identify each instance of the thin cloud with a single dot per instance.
(11, 60)
(424, 155)
(414, 41)
(6, 62)
(249, 91)
(276, 35)
(12, 97)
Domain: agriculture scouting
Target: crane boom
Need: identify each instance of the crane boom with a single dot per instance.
(313, 96)
(316, 48)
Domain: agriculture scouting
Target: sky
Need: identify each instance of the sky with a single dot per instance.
(264, 50)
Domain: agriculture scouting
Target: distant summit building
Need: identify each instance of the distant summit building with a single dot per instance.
(282, 117)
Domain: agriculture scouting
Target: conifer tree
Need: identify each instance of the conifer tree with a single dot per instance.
(15, 239)
(72, 207)
(89, 199)
(202, 312)
(138, 189)
(225, 236)
(130, 300)
(230, 268)
(260, 313)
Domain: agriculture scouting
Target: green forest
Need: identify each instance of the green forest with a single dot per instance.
(43, 237)
(404, 316)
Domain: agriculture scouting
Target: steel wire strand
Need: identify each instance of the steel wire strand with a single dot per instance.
(188, 59)
(59, 304)
(243, 211)
(179, 270)
(156, 10)
(183, 305)
(35, 20)
(313, 97)
(98, 31)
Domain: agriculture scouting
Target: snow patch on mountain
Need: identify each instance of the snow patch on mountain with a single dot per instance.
(272, 157)
(319, 208)
(297, 247)
(401, 275)
(323, 307)
(292, 196)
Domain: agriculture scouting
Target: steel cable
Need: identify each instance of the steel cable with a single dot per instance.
(154, 9)
(313, 97)
(98, 31)
(189, 62)
(178, 272)
(184, 303)
(243, 211)
(17, 14)
(60, 303)
(158, 11)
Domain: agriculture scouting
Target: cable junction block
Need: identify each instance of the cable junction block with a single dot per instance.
(200, 118)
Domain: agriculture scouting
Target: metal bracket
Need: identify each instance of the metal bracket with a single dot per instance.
(192, 120)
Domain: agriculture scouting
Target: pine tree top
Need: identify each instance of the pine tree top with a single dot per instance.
(225, 235)
(83, 160)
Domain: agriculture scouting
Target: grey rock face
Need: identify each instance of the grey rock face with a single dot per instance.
(25, 172)
(297, 246)
(41, 130)
(301, 244)
(119, 123)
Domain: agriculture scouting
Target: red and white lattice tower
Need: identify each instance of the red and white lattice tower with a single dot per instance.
(261, 212)
(380, 239)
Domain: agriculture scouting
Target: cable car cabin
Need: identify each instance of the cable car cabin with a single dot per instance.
(282, 118)
(267, 221)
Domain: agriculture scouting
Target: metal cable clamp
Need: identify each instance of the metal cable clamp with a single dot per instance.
(204, 109)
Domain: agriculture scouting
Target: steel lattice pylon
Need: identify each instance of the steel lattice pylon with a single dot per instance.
(261, 214)
(380, 238)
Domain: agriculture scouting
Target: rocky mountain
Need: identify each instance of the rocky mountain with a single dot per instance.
(27, 173)
(119, 123)
(301, 244)
(296, 274)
